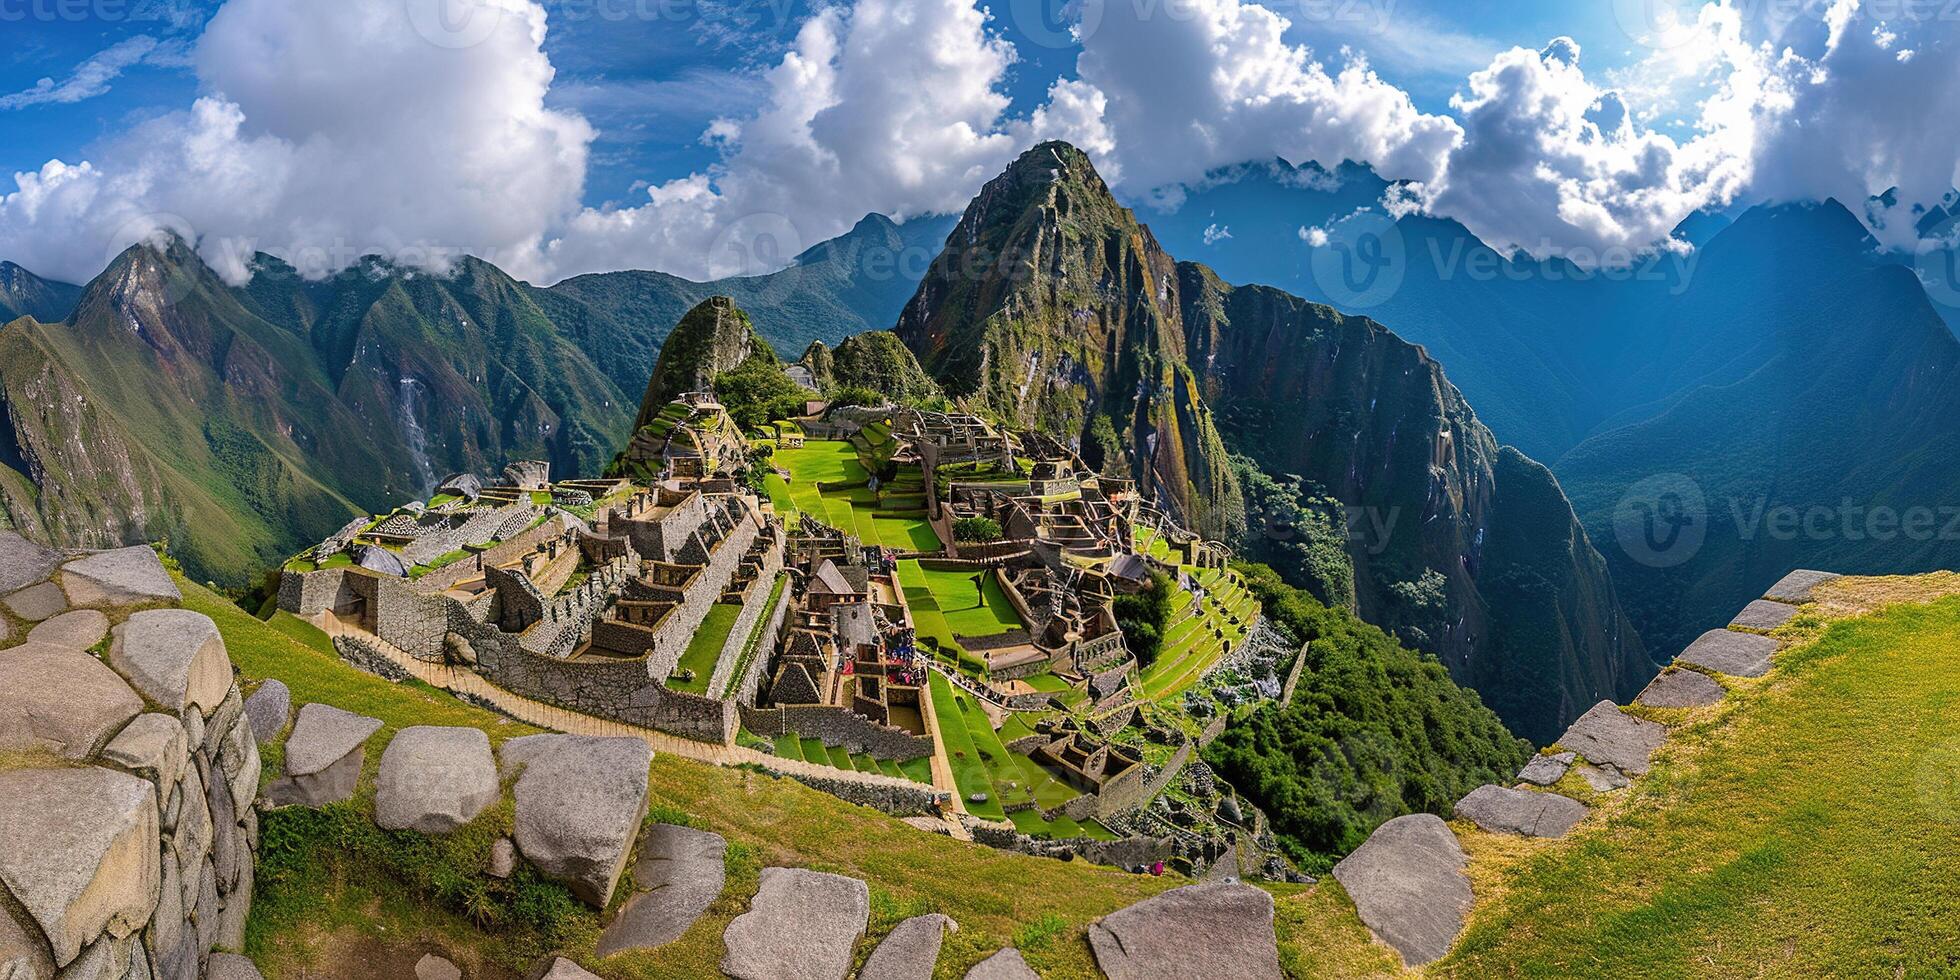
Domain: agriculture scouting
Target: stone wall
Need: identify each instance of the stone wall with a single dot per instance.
(746, 688)
(836, 726)
(754, 604)
(505, 551)
(127, 849)
(1130, 852)
(893, 796)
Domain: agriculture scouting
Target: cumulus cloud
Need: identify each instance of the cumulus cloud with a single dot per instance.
(327, 131)
(1551, 163)
(885, 105)
(1202, 84)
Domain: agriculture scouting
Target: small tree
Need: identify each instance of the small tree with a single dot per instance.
(979, 530)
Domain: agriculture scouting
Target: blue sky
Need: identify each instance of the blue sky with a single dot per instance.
(697, 137)
(651, 83)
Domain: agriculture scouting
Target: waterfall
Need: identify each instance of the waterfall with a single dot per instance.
(415, 436)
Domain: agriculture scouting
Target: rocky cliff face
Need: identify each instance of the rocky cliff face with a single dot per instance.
(1052, 307)
(877, 360)
(22, 293)
(713, 339)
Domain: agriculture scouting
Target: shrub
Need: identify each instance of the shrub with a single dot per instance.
(979, 530)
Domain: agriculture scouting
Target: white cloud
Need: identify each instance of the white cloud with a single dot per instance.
(886, 105)
(1215, 233)
(1200, 84)
(326, 131)
(90, 78)
(1553, 164)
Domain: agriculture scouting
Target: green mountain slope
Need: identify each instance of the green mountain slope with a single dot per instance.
(856, 282)
(1059, 311)
(22, 293)
(252, 421)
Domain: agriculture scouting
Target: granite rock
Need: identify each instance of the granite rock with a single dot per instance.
(680, 872)
(1798, 586)
(1606, 735)
(269, 710)
(910, 951)
(80, 852)
(123, 577)
(1727, 651)
(152, 746)
(63, 701)
(561, 968)
(579, 802)
(802, 925)
(433, 967)
(1006, 965)
(77, 630)
(1677, 688)
(434, 780)
(22, 953)
(23, 563)
(1501, 810)
(1210, 930)
(1764, 615)
(1408, 882)
(1544, 770)
(231, 966)
(323, 757)
(174, 657)
(38, 602)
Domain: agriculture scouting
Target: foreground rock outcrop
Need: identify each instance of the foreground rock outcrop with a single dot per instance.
(802, 925)
(1409, 885)
(127, 825)
(1198, 931)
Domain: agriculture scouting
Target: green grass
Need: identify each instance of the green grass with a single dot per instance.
(1009, 778)
(704, 648)
(1805, 828)
(789, 747)
(751, 648)
(768, 822)
(969, 610)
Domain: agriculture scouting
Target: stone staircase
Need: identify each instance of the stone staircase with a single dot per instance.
(1408, 880)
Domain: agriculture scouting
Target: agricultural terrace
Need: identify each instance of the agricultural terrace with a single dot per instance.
(996, 782)
(828, 480)
(1199, 629)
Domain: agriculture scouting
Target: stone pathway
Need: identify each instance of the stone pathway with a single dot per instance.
(473, 687)
(1408, 882)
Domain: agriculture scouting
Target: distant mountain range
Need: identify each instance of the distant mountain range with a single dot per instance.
(1782, 365)
(241, 423)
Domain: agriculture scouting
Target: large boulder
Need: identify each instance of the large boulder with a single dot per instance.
(58, 700)
(910, 951)
(1008, 965)
(23, 563)
(802, 925)
(1502, 810)
(1677, 688)
(174, 657)
(123, 577)
(579, 802)
(269, 709)
(1408, 883)
(1729, 652)
(79, 629)
(323, 757)
(1607, 735)
(80, 852)
(680, 872)
(434, 780)
(1198, 931)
